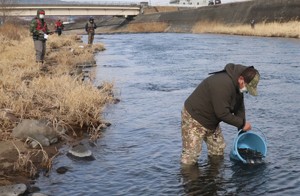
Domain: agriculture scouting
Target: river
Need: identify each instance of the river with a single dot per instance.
(153, 74)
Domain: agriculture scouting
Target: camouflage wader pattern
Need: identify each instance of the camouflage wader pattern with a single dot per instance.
(193, 134)
(91, 38)
(90, 29)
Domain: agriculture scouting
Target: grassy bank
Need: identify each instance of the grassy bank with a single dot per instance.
(58, 95)
(288, 29)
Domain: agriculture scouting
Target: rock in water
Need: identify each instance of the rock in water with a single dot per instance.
(80, 152)
(62, 170)
(12, 190)
(39, 194)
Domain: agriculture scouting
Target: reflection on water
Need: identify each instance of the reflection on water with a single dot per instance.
(203, 179)
(153, 74)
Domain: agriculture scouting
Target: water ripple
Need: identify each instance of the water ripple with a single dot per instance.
(139, 154)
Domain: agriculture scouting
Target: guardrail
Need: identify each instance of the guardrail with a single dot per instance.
(73, 9)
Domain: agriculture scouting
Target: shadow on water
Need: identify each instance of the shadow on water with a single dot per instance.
(245, 175)
(211, 178)
(205, 179)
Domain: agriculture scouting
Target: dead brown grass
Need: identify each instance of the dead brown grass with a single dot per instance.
(289, 29)
(59, 95)
(153, 9)
(12, 32)
(152, 27)
(56, 96)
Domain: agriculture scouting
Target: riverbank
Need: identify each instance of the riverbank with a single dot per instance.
(272, 18)
(288, 29)
(59, 96)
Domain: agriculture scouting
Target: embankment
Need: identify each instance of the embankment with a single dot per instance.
(184, 21)
(61, 96)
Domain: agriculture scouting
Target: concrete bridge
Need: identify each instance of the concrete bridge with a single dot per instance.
(73, 10)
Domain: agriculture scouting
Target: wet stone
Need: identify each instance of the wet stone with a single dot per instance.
(62, 170)
(33, 189)
(12, 190)
(80, 152)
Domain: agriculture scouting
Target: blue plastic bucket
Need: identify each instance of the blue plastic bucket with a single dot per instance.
(248, 140)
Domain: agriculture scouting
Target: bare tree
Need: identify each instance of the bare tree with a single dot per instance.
(5, 9)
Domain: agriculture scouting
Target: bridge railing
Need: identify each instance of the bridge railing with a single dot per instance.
(115, 3)
(72, 9)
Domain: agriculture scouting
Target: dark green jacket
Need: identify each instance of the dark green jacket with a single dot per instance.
(218, 98)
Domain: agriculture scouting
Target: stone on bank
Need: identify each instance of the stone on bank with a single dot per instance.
(36, 132)
(13, 190)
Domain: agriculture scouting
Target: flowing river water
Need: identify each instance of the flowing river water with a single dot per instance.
(153, 74)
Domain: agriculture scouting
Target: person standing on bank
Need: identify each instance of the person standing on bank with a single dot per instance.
(59, 27)
(39, 32)
(218, 98)
(90, 29)
(252, 23)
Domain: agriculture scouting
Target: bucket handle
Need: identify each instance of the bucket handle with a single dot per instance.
(241, 131)
(259, 130)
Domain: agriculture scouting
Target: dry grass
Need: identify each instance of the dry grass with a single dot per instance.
(152, 27)
(25, 161)
(151, 9)
(10, 35)
(56, 96)
(59, 95)
(12, 32)
(71, 52)
(289, 29)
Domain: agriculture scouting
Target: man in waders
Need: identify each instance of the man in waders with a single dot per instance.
(218, 98)
(90, 29)
(39, 32)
